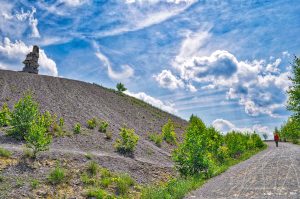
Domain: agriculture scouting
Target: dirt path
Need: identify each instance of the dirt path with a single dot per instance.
(14, 147)
(271, 174)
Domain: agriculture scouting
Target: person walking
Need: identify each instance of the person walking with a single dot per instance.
(276, 138)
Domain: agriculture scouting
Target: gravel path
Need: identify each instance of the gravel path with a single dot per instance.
(271, 174)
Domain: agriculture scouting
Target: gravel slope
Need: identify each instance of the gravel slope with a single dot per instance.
(271, 174)
(78, 101)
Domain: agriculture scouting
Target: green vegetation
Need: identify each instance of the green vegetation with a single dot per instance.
(101, 183)
(37, 138)
(103, 126)
(97, 193)
(61, 122)
(88, 156)
(120, 87)
(5, 153)
(124, 182)
(77, 128)
(25, 112)
(128, 141)
(177, 188)
(168, 133)
(92, 168)
(57, 176)
(204, 149)
(156, 138)
(290, 131)
(34, 183)
(5, 115)
(92, 123)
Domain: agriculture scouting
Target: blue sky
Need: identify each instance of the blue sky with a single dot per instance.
(225, 61)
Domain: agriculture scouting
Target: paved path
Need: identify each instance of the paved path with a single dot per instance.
(271, 174)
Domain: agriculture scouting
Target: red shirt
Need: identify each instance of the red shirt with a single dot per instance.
(276, 137)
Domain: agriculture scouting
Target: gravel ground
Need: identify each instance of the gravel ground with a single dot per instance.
(78, 101)
(271, 174)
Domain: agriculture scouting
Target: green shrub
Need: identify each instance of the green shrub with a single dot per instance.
(192, 155)
(120, 87)
(25, 112)
(92, 168)
(35, 183)
(61, 122)
(258, 143)
(105, 173)
(86, 179)
(156, 138)
(4, 115)
(5, 153)
(77, 128)
(37, 138)
(97, 193)
(103, 126)
(57, 176)
(105, 182)
(92, 123)
(108, 135)
(128, 141)
(124, 182)
(236, 143)
(168, 133)
(222, 154)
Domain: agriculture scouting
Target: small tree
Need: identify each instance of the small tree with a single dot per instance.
(37, 138)
(4, 115)
(121, 87)
(25, 112)
(294, 96)
(168, 132)
(128, 141)
(265, 136)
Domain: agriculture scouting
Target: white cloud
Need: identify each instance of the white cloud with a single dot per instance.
(167, 80)
(153, 101)
(137, 18)
(157, 1)
(13, 53)
(33, 22)
(257, 85)
(74, 3)
(225, 126)
(126, 73)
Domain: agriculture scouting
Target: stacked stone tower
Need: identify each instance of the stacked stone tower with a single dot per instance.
(31, 61)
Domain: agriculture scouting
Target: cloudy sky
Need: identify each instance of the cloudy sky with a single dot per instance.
(226, 61)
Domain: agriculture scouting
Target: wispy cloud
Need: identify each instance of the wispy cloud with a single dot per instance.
(126, 73)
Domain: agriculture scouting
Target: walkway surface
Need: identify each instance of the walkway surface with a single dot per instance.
(271, 174)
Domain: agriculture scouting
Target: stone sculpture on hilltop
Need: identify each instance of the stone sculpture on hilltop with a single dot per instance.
(31, 61)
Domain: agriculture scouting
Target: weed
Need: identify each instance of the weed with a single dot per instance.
(124, 182)
(77, 128)
(35, 183)
(5, 153)
(103, 126)
(57, 176)
(93, 168)
(156, 138)
(92, 123)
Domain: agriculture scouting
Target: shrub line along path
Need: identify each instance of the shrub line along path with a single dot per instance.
(271, 174)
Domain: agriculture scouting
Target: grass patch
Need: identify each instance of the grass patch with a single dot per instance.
(179, 187)
(34, 183)
(5, 153)
(57, 176)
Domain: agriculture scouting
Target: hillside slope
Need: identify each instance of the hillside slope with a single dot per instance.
(78, 101)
